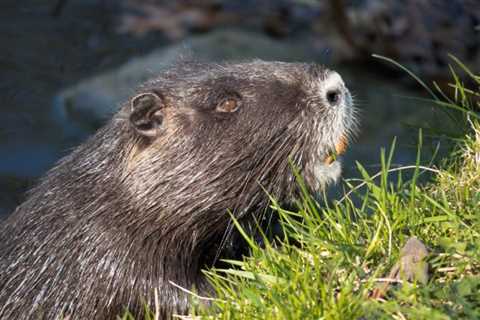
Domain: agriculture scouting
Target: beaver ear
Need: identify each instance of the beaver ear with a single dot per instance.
(147, 113)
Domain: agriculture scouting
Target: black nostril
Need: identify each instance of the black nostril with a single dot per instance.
(333, 96)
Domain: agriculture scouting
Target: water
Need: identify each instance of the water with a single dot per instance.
(41, 54)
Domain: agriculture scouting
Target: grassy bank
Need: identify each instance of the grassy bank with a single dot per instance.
(333, 259)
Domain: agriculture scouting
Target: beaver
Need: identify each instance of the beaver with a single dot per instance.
(146, 203)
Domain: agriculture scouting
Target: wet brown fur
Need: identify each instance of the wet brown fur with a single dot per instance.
(127, 213)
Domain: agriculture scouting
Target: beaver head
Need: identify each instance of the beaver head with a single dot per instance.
(145, 202)
(224, 132)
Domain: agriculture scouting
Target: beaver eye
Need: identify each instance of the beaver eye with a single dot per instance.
(229, 105)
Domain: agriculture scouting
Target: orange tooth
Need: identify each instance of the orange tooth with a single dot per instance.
(328, 160)
(341, 146)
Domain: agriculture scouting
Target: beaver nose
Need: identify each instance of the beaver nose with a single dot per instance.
(333, 96)
(333, 89)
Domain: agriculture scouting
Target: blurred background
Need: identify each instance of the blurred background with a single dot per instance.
(66, 65)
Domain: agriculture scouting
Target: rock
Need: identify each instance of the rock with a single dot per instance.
(418, 34)
(412, 266)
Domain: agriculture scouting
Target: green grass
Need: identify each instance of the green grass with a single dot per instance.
(332, 256)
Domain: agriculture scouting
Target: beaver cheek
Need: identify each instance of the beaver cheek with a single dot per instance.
(185, 122)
